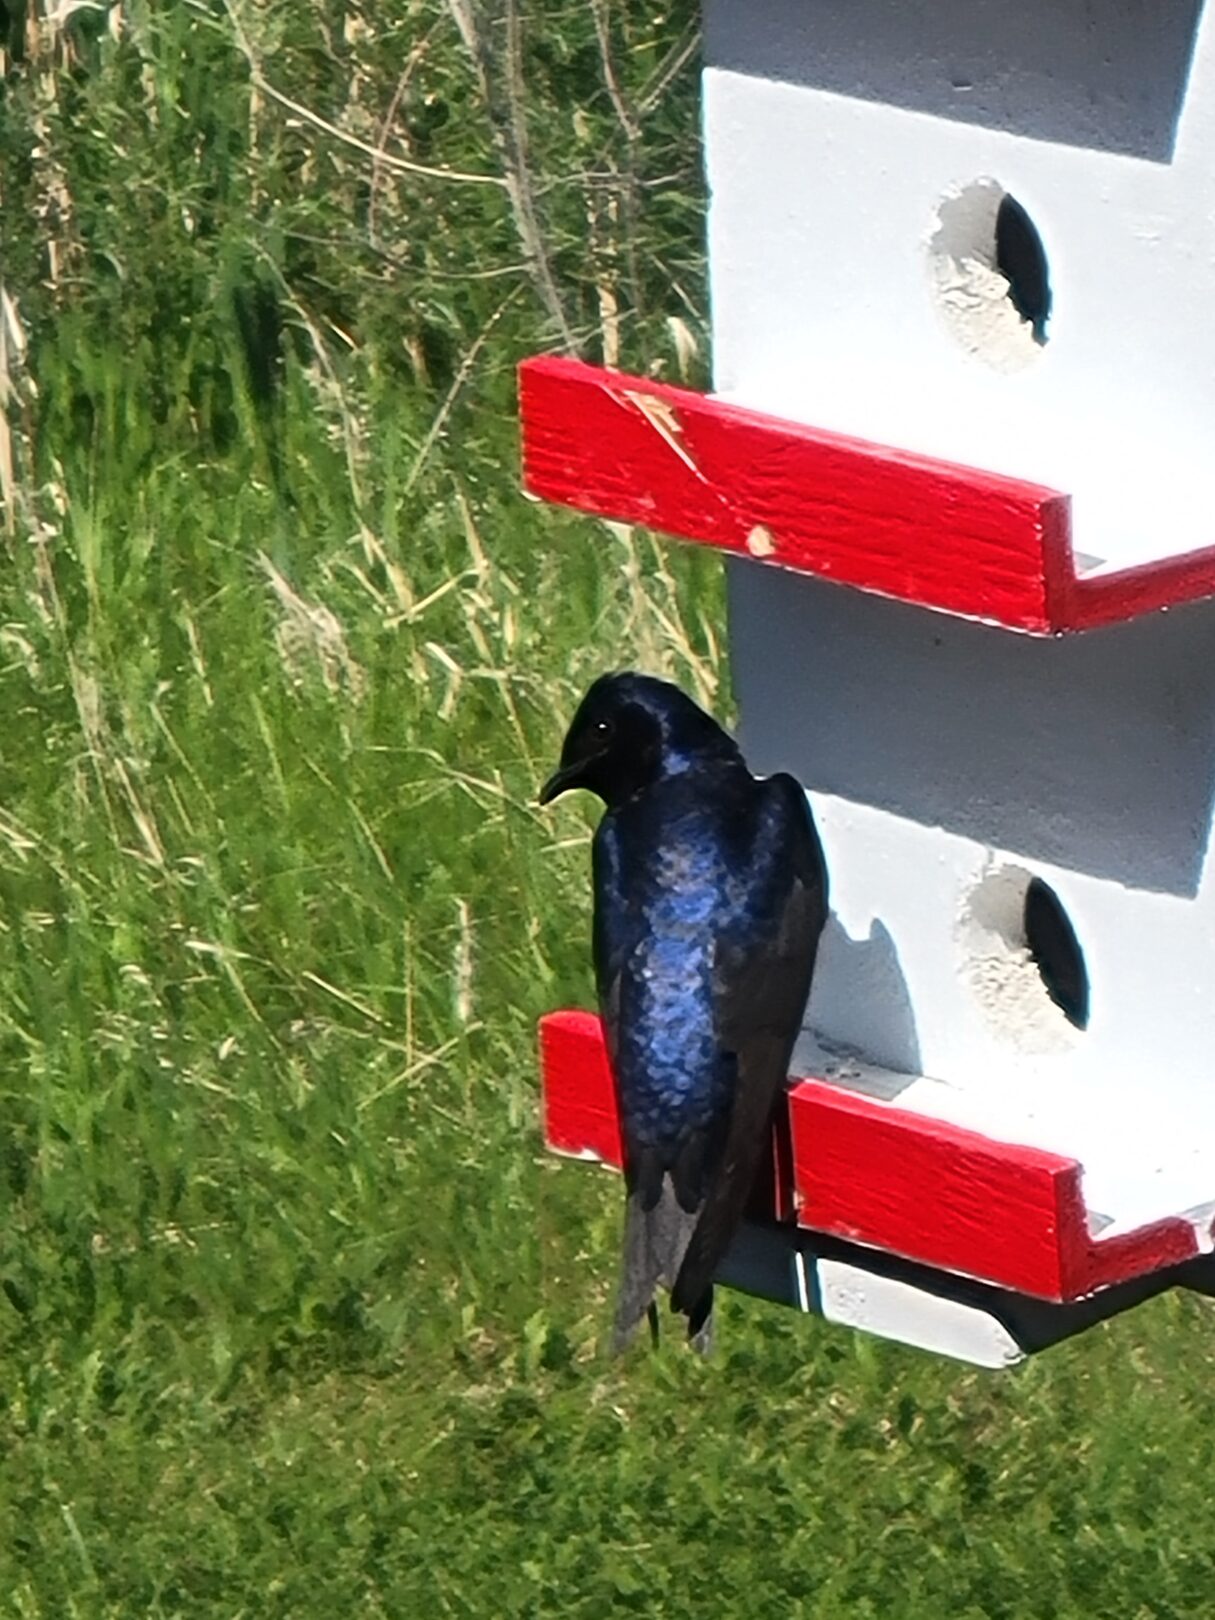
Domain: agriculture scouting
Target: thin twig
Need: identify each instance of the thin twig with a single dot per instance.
(453, 393)
(345, 997)
(9, 338)
(668, 70)
(399, 164)
(508, 126)
(381, 142)
(497, 272)
(628, 123)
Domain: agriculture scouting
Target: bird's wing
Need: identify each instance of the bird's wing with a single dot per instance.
(611, 934)
(614, 943)
(763, 975)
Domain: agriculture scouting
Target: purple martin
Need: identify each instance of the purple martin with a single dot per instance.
(710, 893)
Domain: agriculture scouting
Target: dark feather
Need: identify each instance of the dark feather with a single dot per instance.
(655, 1241)
(762, 990)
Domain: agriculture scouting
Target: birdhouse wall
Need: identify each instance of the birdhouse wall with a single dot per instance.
(948, 763)
(856, 154)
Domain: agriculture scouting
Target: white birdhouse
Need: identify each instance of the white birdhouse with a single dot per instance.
(961, 260)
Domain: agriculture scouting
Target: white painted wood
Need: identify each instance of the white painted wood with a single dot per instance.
(853, 147)
(896, 1310)
(827, 177)
(938, 751)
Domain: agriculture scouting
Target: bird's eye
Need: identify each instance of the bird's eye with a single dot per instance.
(602, 729)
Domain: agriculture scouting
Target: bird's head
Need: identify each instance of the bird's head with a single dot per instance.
(628, 731)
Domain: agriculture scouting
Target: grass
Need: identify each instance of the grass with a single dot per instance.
(296, 1318)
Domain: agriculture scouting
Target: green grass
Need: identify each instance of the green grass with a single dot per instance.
(296, 1318)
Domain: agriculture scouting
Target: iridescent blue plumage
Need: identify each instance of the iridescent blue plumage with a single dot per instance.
(710, 895)
(669, 901)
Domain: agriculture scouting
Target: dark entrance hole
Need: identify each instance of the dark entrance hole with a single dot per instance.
(1056, 952)
(990, 276)
(1021, 259)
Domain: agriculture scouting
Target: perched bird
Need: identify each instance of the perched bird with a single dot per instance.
(710, 896)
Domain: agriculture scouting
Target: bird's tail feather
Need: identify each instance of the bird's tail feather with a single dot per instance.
(655, 1241)
(763, 1065)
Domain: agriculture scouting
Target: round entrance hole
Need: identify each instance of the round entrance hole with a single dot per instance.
(1023, 961)
(990, 275)
(1055, 952)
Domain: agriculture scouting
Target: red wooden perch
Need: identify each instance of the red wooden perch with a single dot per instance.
(876, 1174)
(907, 526)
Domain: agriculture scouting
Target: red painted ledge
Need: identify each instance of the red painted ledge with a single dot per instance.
(907, 526)
(877, 1174)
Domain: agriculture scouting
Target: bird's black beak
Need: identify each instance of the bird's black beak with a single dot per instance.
(569, 776)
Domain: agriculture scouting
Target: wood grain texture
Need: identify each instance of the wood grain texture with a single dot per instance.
(907, 526)
(580, 1114)
(1089, 1263)
(1109, 598)
(872, 1173)
(951, 1198)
